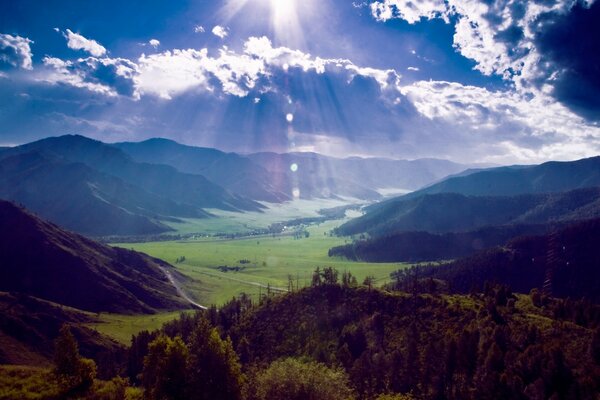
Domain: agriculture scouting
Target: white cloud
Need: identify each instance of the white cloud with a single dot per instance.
(498, 35)
(413, 69)
(199, 29)
(154, 43)
(107, 76)
(527, 130)
(15, 51)
(76, 41)
(171, 72)
(409, 10)
(220, 31)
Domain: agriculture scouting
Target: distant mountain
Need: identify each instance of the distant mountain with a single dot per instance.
(232, 171)
(162, 180)
(451, 212)
(571, 252)
(549, 177)
(84, 200)
(97, 189)
(40, 259)
(315, 175)
(269, 176)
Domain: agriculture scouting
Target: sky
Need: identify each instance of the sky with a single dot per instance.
(488, 81)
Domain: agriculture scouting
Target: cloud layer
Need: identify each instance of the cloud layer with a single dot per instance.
(550, 47)
(267, 97)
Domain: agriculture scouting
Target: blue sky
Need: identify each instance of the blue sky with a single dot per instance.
(472, 80)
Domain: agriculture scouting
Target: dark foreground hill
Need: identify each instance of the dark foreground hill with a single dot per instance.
(452, 212)
(570, 255)
(28, 327)
(39, 259)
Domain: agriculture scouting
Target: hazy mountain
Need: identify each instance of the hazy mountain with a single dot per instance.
(161, 180)
(84, 200)
(269, 176)
(40, 259)
(230, 170)
(318, 175)
(452, 212)
(549, 177)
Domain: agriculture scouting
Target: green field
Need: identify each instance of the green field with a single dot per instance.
(271, 260)
(122, 327)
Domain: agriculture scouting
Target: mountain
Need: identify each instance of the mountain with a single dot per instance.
(452, 212)
(321, 176)
(84, 200)
(549, 177)
(40, 259)
(96, 189)
(269, 177)
(571, 253)
(160, 180)
(232, 171)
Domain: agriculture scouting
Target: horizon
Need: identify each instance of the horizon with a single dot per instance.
(383, 78)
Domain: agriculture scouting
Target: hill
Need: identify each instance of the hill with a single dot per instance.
(453, 212)
(548, 177)
(570, 255)
(420, 345)
(425, 246)
(40, 259)
(28, 327)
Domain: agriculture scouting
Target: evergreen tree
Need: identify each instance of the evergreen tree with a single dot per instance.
(214, 370)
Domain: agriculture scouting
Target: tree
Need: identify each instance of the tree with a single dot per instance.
(368, 282)
(316, 277)
(164, 374)
(330, 276)
(75, 373)
(214, 371)
(291, 379)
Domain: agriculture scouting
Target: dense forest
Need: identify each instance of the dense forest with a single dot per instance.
(564, 262)
(341, 340)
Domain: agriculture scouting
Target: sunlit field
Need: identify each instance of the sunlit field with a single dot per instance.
(223, 268)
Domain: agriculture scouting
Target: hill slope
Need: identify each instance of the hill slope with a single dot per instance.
(548, 177)
(572, 253)
(39, 259)
(452, 212)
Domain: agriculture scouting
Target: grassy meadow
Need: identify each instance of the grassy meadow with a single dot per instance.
(223, 268)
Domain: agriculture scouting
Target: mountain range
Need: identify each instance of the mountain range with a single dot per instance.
(101, 189)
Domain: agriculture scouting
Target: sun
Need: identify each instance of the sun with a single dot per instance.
(286, 17)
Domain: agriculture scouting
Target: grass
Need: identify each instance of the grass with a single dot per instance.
(20, 382)
(272, 259)
(122, 327)
(235, 222)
